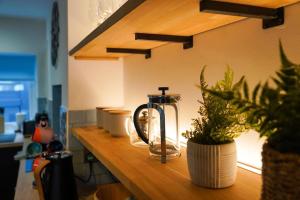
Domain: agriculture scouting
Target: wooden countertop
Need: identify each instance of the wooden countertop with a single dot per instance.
(24, 190)
(10, 128)
(147, 178)
(18, 141)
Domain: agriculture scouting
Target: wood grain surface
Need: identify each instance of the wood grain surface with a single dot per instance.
(173, 17)
(147, 178)
(24, 190)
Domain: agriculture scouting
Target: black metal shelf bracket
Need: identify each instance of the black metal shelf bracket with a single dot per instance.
(186, 40)
(271, 17)
(146, 52)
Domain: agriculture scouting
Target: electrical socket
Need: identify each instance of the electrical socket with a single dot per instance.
(89, 157)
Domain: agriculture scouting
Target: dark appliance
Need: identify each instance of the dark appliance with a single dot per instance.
(55, 177)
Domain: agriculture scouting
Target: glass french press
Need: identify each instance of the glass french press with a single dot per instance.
(163, 141)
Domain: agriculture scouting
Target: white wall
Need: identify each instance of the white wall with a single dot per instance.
(58, 75)
(245, 46)
(19, 35)
(91, 83)
(28, 9)
(95, 83)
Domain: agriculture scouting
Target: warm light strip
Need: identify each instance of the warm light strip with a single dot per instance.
(249, 168)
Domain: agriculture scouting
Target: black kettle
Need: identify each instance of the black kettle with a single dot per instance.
(55, 177)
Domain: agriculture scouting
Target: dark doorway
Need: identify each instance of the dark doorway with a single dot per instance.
(56, 96)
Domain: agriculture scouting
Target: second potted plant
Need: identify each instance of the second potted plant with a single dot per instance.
(274, 112)
(211, 150)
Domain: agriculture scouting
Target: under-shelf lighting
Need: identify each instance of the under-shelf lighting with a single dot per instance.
(146, 52)
(249, 168)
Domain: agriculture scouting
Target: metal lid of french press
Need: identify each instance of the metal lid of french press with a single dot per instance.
(163, 98)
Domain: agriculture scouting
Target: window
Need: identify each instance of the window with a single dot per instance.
(14, 98)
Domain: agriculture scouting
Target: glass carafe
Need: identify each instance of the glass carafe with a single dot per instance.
(162, 138)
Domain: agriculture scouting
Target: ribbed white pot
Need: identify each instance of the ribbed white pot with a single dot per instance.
(212, 166)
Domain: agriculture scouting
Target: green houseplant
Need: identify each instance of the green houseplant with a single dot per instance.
(274, 111)
(211, 150)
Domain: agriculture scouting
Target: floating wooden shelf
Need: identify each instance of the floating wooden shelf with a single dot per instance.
(147, 178)
(170, 17)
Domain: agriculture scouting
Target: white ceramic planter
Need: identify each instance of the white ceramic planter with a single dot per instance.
(212, 166)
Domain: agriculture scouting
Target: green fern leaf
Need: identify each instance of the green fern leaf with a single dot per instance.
(246, 90)
(284, 60)
(255, 91)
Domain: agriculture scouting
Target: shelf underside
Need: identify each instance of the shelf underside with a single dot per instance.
(172, 17)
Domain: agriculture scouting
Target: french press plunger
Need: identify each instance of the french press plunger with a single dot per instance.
(164, 141)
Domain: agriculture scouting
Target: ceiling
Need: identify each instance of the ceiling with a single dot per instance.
(37, 9)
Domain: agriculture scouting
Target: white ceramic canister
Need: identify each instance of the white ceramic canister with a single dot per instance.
(106, 117)
(119, 121)
(109, 118)
(99, 116)
(112, 118)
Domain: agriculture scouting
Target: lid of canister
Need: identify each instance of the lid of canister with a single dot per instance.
(101, 108)
(111, 108)
(120, 112)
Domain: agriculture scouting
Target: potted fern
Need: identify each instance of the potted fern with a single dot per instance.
(275, 113)
(211, 150)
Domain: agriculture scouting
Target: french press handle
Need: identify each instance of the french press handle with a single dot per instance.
(137, 126)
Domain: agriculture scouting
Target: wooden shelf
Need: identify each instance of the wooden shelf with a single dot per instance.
(147, 178)
(171, 17)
